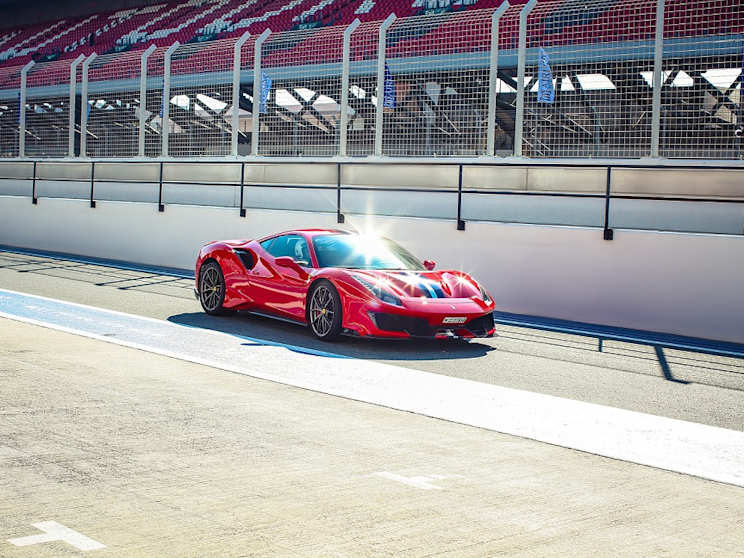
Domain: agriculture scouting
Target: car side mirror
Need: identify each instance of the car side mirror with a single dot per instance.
(429, 265)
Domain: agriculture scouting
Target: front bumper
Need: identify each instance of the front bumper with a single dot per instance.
(400, 325)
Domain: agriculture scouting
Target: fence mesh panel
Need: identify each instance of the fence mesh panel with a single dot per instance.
(435, 101)
(10, 81)
(701, 93)
(506, 82)
(48, 109)
(362, 87)
(245, 104)
(303, 105)
(201, 101)
(113, 105)
(598, 53)
(154, 102)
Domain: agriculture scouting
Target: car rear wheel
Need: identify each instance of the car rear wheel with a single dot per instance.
(324, 311)
(212, 288)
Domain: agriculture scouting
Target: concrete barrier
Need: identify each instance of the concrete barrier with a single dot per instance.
(688, 284)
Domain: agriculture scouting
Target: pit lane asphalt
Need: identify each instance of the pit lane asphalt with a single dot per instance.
(684, 385)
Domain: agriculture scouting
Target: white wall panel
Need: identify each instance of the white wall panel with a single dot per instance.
(689, 284)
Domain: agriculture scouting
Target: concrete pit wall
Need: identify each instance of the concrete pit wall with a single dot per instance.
(689, 284)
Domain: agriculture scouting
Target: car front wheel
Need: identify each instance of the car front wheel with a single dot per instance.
(324, 312)
(212, 288)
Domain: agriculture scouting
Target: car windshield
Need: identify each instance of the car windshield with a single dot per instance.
(353, 251)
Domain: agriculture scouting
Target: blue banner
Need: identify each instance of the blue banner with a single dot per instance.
(265, 88)
(389, 97)
(545, 89)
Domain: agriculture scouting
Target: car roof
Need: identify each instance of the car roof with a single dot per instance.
(309, 232)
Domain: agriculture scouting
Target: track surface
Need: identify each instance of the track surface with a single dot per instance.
(151, 456)
(677, 384)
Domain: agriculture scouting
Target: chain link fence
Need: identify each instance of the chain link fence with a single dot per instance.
(302, 108)
(435, 98)
(201, 102)
(362, 93)
(592, 100)
(48, 109)
(113, 105)
(10, 114)
(701, 105)
(588, 79)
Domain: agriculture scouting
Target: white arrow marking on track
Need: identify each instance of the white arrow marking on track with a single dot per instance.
(424, 483)
(54, 531)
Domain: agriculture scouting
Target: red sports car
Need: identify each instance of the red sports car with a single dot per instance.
(337, 283)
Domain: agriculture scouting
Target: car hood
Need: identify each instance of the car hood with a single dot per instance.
(423, 284)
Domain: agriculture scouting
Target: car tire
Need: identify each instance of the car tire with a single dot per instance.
(212, 288)
(323, 300)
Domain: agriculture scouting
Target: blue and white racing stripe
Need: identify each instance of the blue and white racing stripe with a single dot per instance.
(432, 289)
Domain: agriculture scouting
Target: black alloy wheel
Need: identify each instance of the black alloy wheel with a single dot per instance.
(324, 312)
(212, 288)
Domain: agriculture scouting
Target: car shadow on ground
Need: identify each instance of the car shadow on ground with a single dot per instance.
(272, 332)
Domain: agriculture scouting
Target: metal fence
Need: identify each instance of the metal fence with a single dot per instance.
(548, 79)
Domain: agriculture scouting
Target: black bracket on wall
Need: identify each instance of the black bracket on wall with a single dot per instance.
(92, 182)
(34, 200)
(161, 207)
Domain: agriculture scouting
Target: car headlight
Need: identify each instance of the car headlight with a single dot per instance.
(484, 294)
(379, 292)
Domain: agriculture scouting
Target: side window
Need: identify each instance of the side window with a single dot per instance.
(290, 245)
(266, 244)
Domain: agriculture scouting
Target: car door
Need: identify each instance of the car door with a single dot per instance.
(282, 289)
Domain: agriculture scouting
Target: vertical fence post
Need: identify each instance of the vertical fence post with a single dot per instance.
(143, 100)
(257, 87)
(236, 93)
(165, 100)
(521, 62)
(345, 69)
(84, 106)
(72, 107)
(493, 71)
(381, 43)
(22, 111)
(657, 79)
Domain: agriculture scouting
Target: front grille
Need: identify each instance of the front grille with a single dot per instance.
(480, 326)
(419, 327)
(408, 324)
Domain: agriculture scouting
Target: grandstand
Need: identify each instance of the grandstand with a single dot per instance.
(442, 101)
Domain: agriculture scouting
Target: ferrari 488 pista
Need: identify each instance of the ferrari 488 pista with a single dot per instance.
(338, 282)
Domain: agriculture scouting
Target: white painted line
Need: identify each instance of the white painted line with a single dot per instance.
(54, 531)
(424, 483)
(685, 447)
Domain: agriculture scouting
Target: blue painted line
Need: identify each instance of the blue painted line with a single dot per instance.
(667, 340)
(100, 322)
(118, 264)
